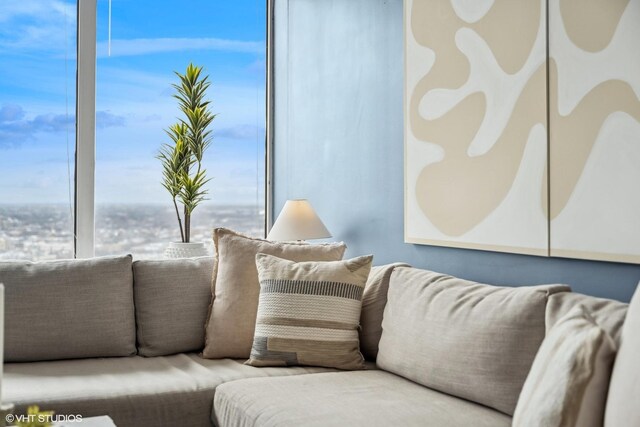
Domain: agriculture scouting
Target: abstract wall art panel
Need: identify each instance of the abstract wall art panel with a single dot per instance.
(476, 124)
(594, 113)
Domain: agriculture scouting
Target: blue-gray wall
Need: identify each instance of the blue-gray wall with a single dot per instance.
(338, 142)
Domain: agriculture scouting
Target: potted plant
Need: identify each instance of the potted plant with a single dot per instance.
(182, 171)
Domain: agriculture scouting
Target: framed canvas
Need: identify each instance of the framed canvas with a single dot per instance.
(594, 113)
(476, 124)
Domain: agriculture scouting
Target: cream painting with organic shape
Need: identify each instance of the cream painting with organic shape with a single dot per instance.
(476, 124)
(594, 111)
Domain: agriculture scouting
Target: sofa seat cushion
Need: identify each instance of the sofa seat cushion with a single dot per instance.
(135, 391)
(358, 398)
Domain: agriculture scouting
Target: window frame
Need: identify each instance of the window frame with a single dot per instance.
(268, 160)
(85, 158)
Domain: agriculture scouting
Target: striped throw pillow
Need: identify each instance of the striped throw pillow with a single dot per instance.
(309, 312)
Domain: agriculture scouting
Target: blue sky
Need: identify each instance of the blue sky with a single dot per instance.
(134, 103)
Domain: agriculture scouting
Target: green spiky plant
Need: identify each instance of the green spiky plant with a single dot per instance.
(182, 172)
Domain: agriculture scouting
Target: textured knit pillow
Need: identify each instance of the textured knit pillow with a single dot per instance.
(232, 313)
(309, 312)
(568, 382)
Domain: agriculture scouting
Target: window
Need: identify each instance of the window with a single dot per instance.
(37, 128)
(134, 213)
(134, 104)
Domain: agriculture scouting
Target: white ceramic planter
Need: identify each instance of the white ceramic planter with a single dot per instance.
(185, 250)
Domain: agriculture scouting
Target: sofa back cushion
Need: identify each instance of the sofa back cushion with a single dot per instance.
(622, 404)
(172, 298)
(608, 314)
(68, 309)
(463, 338)
(374, 300)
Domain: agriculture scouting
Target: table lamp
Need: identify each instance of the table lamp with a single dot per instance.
(298, 221)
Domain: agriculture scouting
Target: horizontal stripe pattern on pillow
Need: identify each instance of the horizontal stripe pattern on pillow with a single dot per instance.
(309, 287)
(301, 306)
(308, 312)
(301, 331)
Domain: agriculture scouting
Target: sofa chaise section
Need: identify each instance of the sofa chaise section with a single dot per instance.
(453, 353)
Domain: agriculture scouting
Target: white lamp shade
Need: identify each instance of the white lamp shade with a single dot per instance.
(298, 221)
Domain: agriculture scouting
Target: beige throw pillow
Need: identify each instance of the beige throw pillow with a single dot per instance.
(568, 382)
(232, 313)
(608, 314)
(623, 409)
(309, 312)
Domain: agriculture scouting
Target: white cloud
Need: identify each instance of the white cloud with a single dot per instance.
(16, 128)
(37, 25)
(242, 131)
(50, 26)
(140, 94)
(33, 9)
(258, 66)
(136, 47)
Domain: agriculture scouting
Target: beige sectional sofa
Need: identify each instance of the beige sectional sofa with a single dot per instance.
(121, 338)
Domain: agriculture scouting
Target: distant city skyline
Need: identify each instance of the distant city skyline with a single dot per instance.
(134, 103)
(45, 231)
